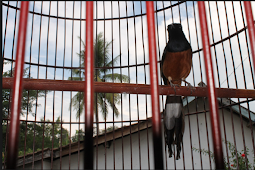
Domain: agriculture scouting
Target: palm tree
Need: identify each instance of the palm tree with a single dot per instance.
(102, 59)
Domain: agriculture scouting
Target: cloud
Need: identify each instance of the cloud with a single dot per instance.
(60, 44)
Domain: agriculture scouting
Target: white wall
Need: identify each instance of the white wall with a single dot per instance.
(199, 119)
(140, 154)
(37, 165)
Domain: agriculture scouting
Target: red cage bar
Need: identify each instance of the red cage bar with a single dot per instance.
(88, 88)
(13, 137)
(251, 29)
(107, 87)
(156, 117)
(213, 104)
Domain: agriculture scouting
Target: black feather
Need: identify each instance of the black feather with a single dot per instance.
(177, 40)
(177, 43)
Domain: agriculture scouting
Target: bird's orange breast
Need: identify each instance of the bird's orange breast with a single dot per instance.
(177, 65)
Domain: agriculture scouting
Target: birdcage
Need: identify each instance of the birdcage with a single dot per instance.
(82, 87)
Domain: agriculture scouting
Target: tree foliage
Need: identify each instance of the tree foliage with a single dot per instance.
(109, 129)
(31, 133)
(28, 98)
(102, 59)
(234, 157)
(78, 136)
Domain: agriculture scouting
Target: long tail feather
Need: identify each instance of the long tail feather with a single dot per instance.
(178, 135)
(173, 123)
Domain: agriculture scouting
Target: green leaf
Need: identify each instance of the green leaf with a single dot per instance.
(102, 58)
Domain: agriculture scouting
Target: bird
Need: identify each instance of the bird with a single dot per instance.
(175, 67)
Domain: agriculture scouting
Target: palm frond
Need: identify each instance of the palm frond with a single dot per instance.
(116, 77)
(112, 62)
(98, 79)
(110, 99)
(78, 103)
(102, 58)
(102, 104)
(75, 78)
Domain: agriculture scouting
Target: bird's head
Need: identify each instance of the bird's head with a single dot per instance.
(175, 31)
(174, 27)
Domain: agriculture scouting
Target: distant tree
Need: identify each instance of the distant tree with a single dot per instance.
(34, 133)
(102, 58)
(78, 134)
(28, 101)
(109, 129)
(27, 94)
(31, 133)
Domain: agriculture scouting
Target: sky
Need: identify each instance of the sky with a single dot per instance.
(55, 42)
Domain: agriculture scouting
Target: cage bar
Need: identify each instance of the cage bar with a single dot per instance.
(156, 120)
(88, 88)
(55, 75)
(211, 88)
(13, 138)
(251, 28)
(104, 87)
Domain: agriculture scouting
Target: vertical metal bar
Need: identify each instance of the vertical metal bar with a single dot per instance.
(252, 75)
(46, 76)
(96, 111)
(89, 89)
(53, 102)
(145, 82)
(241, 118)
(28, 94)
(236, 84)
(14, 35)
(216, 131)
(164, 15)
(251, 29)
(1, 98)
(39, 49)
(105, 151)
(5, 30)
(61, 124)
(113, 115)
(79, 125)
(121, 101)
(137, 98)
(12, 150)
(129, 97)
(219, 82)
(223, 117)
(190, 134)
(172, 15)
(156, 117)
(13, 42)
(69, 156)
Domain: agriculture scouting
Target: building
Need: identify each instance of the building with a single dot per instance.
(111, 154)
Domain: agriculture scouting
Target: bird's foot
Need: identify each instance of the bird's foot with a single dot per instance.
(189, 86)
(172, 85)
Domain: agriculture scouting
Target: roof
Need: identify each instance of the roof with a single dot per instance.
(75, 146)
(235, 106)
(121, 132)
